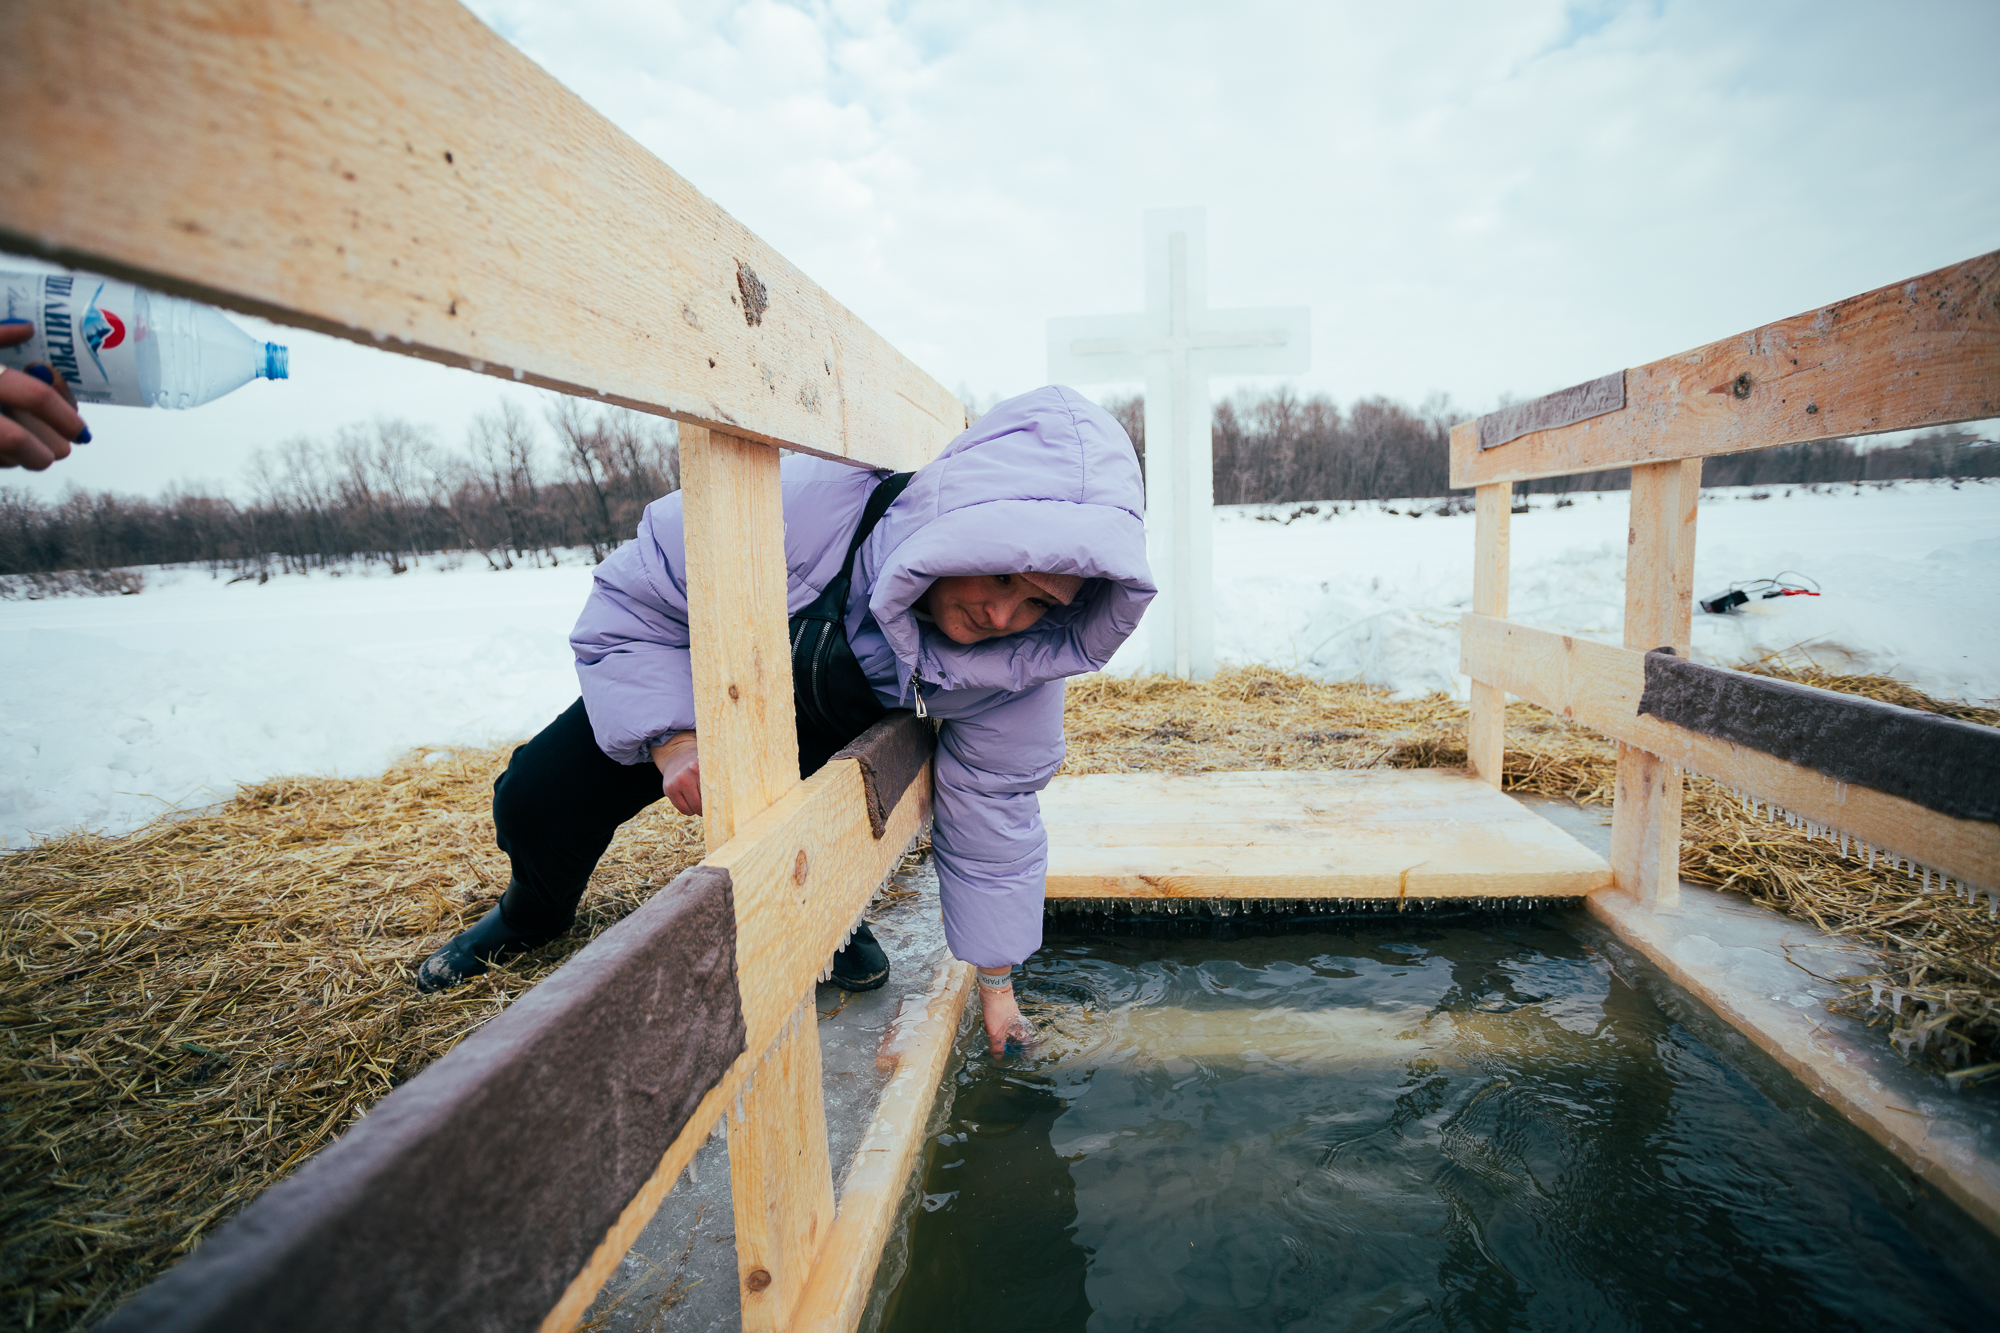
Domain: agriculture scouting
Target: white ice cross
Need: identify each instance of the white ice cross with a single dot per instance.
(1174, 346)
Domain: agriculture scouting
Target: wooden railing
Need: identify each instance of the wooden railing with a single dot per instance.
(1920, 353)
(395, 174)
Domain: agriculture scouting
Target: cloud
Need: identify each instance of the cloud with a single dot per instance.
(1474, 198)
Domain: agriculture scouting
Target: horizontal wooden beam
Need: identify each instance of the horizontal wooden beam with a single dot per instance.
(1925, 352)
(1599, 685)
(393, 172)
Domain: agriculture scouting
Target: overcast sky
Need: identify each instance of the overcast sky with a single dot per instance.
(1473, 198)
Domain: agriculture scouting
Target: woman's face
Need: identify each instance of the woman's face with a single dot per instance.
(969, 608)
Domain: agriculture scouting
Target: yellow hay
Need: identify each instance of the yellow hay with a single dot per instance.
(193, 1009)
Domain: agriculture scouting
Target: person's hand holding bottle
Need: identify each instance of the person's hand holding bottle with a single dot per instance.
(38, 417)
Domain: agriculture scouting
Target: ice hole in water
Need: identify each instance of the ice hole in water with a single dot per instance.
(1437, 1118)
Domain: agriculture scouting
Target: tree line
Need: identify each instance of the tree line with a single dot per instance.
(1279, 448)
(521, 489)
(524, 488)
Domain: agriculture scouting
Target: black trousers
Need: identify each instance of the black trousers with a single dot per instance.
(559, 802)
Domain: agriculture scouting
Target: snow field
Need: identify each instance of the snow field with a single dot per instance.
(1910, 576)
(119, 708)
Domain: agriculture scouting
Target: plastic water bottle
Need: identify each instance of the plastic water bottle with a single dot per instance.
(121, 344)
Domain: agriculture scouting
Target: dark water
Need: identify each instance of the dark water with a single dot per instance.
(1397, 1125)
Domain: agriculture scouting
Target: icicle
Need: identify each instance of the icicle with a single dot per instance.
(1871, 856)
(693, 1179)
(1925, 883)
(1874, 995)
(739, 1106)
(1843, 844)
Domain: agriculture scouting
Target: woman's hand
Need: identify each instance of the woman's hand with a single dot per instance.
(1004, 1024)
(38, 418)
(680, 771)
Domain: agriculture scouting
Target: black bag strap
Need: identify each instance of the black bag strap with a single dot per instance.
(878, 504)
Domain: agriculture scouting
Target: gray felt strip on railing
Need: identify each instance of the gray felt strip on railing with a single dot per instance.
(1940, 763)
(472, 1195)
(892, 753)
(1564, 407)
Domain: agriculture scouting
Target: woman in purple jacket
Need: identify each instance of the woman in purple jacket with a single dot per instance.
(967, 590)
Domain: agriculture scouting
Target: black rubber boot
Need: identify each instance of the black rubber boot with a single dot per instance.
(469, 951)
(861, 965)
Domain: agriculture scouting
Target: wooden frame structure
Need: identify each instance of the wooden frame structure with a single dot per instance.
(395, 174)
(1925, 352)
(398, 175)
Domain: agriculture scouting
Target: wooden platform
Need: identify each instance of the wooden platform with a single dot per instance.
(1378, 833)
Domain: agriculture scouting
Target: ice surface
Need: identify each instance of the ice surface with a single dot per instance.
(120, 708)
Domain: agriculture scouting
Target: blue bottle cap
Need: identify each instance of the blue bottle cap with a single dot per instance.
(277, 362)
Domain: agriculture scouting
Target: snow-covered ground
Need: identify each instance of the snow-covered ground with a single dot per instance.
(1910, 576)
(121, 707)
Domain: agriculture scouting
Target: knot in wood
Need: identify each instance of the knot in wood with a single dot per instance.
(758, 1279)
(732, 693)
(799, 869)
(755, 299)
(1741, 387)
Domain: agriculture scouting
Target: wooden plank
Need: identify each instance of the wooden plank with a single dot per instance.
(1659, 556)
(780, 951)
(779, 1181)
(1486, 729)
(788, 926)
(745, 721)
(1379, 833)
(1925, 352)
(1599, 685)
(396, 174)
(569, 1311)
(873, 1191)
(1659, 601)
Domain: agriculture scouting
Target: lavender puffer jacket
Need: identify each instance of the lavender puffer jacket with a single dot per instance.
(1046, 482)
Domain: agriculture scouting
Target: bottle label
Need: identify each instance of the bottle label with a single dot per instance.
(87, 329)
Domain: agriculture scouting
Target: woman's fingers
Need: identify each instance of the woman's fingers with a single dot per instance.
(14, 332)
(683, 788)
(26, 397)
(18, 448)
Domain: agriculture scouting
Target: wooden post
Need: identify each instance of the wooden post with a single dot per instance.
(747, 731)
(1486, 730)
(781, 1182)
(1659, 607)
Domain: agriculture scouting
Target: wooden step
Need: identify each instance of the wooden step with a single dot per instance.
(1374, 833)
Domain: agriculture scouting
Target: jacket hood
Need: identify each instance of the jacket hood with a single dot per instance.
(1046, 482)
